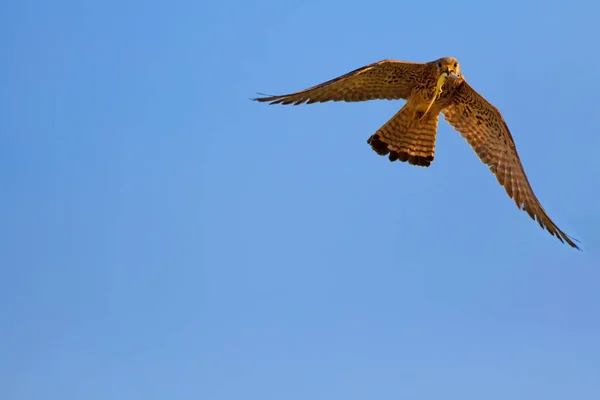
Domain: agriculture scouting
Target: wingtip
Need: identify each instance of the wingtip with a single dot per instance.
(263, 99)
(563, 237)
(572, 241)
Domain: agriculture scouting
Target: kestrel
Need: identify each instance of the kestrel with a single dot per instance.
(430, 89)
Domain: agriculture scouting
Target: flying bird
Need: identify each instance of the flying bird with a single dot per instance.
(430, 89)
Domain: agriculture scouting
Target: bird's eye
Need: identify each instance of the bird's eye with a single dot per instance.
(440, 64)
(455, 65)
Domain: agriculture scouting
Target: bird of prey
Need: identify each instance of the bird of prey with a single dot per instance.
(430, 89)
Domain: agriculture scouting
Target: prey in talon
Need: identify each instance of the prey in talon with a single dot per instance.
(438, 91)
(432, 89)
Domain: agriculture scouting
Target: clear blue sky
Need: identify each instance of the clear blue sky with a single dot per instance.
(163, 237)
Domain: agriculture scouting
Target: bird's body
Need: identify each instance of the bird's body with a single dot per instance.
(430, 89)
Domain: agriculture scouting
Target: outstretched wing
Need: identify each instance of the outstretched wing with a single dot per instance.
(483, 127)
(387, 79)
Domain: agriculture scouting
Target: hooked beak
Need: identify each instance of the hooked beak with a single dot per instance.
(450, 72)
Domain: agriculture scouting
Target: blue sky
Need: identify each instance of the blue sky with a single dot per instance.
(163, 237)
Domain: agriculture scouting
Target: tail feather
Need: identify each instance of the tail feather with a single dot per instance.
(407, 138)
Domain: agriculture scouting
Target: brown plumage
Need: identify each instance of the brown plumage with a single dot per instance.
(430, 89)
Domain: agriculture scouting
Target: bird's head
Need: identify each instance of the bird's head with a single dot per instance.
(448, 66)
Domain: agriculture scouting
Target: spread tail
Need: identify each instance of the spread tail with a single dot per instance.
(406, 137)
